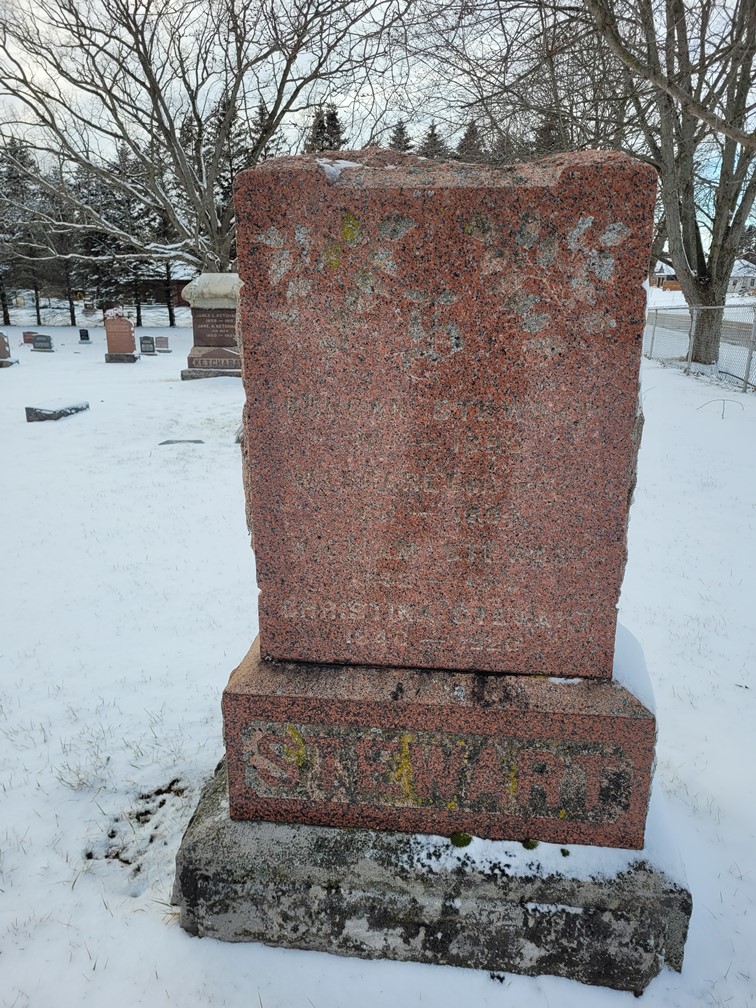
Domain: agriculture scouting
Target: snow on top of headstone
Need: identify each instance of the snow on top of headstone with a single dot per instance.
(511, 858)
(333, 169)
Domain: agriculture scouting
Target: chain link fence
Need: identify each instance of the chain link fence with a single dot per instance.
(669, 335)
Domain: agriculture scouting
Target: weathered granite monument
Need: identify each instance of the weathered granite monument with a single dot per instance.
(440, 437)
(120, 339)
(6, 358)
(213, 297)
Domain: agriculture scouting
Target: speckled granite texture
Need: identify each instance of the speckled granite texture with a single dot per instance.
(503, 757)
(441, 367)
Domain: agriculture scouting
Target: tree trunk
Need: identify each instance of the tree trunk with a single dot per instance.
(36, 302)
(70, 296)
(138, 302)
(707, 331)
(706, 299)
(169, 295)
(4, 304)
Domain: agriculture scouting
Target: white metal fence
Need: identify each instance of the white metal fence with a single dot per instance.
(668, 337)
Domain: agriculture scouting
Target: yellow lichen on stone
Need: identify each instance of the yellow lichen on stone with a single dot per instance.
(562, 813)
(332, 255)
(297, 751)
(512, 785)
(351, 229)
(401, 771)
(453, 805)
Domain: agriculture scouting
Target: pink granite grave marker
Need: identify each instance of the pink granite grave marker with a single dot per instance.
(120, 339)
(442, 413)
(441, 366)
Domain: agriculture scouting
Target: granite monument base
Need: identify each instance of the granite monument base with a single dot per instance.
(609, 918)
(436, 751)
(120, 358)
(212, 362)
(188, 374)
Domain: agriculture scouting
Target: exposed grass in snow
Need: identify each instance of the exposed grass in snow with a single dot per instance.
(128, 596)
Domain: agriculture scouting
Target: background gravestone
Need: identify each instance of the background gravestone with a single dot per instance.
(147, 345)
(5, 352)
(213, 297)
(121, 343)
(43, 342)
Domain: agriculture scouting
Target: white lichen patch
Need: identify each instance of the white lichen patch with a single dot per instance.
(553, 908)
(583, 290)
(272, 237)
(298, 287)
(576, 236)
(395, 227)
(280, 264)
(615, 234)
(384, 261)
(602, 264)
(303, 238)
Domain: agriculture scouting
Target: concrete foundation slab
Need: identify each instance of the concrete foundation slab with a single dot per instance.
(384, 895)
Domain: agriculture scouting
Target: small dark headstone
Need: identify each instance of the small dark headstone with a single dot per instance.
(146, 345)
(185, 441)
(28, 336)
(42, 341)
(84, 336)
(37, 413)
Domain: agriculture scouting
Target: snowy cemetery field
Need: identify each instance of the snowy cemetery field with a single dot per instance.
(128, 596)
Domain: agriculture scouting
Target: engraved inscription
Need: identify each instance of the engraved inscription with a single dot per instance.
(214, 326)
(574, 782)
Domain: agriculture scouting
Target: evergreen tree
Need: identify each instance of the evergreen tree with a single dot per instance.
(334, 131)
(470, 147)
(432, 145)
(400, 138)
(273, 145)
(94, 272)
(507, 148)
(20, 202)
(747, 247)
(316, 138)
(326, 131)
(548, 137)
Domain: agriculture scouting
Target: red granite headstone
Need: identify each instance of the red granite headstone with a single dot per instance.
(119, 334)
(441, 366)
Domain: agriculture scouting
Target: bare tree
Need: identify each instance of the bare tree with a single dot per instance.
(81, 78)
(670, 81)
(698, 58)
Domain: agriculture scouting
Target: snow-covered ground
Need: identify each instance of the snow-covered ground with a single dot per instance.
(128, 595)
